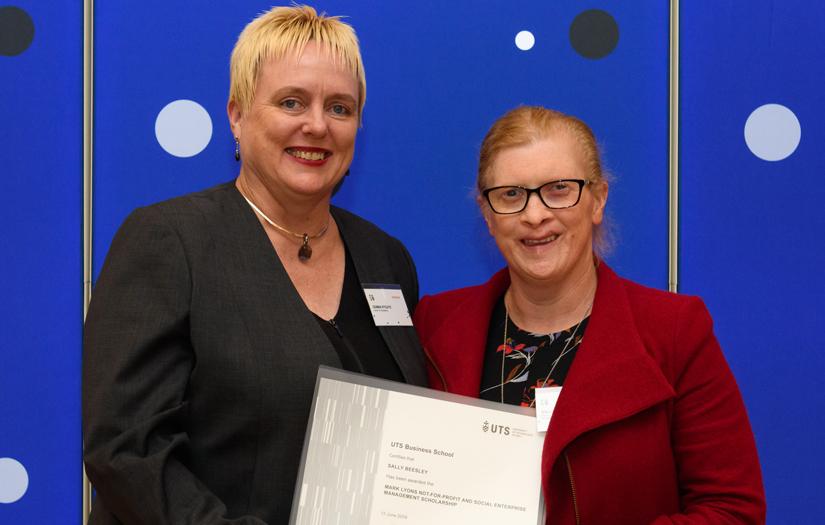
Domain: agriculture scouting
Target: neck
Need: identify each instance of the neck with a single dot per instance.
(299, 215)
(551, 307)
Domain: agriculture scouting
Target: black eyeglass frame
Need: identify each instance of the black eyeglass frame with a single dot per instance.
(581, 182)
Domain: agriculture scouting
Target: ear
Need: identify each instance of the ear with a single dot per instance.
(233, 111)
(599, 190)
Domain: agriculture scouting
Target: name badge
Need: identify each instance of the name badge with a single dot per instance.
(387, 305)
(546, 399)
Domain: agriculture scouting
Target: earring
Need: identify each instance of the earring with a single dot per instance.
(237, 150)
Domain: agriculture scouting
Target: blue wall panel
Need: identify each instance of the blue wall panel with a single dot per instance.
(751, 229)
(40, 273)
(437, 77)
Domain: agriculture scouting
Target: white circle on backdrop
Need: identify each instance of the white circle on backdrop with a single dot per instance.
(772, 132)
(525, 40)
(14, 480)
(183, 128)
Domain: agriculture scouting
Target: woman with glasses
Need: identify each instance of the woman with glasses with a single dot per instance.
(649, 426)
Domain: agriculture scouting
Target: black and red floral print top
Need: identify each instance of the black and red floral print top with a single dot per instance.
(515, 367)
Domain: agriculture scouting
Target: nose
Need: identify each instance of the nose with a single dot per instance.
(315, 123)
(535, 212)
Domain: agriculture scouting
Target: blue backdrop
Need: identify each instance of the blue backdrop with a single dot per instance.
(436, 79)
(438, 74)
(752, 229)
(41, 282)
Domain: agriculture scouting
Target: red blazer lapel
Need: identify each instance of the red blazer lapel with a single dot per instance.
(461, 334)
(612, 377)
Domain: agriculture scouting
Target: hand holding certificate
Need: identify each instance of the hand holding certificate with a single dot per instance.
(381, 452)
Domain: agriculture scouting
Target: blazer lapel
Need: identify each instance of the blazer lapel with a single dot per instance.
(464, 332)
(612, 376)
(369, 256)
(278, 322)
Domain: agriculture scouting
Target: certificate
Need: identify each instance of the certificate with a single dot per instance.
(381, 452)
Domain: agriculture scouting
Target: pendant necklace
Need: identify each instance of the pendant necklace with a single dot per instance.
(305, 251)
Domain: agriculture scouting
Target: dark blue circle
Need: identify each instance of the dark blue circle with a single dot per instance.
(16, 31)
(594, 33)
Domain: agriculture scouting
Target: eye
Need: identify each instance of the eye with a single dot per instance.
(511, 194)
(558, 187)
(291, 104)
(340, 110)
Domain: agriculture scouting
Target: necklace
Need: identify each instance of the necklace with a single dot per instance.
(566, 350)
(304, 252)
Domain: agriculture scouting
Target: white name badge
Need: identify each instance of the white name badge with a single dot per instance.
(387, 305)
(546, 399)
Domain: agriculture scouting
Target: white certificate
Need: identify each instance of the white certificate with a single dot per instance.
(381, 452)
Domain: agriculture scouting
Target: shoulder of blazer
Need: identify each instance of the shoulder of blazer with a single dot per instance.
(199, 219)
(472, 304)
(221, 199)
(378, 256)
(656, 311)
(353, 224)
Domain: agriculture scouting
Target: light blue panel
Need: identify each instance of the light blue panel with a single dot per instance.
(751, 229)
(438, 75)
(40, 273)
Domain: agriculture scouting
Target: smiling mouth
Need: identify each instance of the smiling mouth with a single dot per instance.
(306, 154)
(539, 242)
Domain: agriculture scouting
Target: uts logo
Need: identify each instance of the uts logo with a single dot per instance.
(495, 429)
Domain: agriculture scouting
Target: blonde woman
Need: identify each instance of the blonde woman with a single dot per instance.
(214, 310)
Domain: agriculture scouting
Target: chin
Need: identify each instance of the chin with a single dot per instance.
(311, 185)
(537, 273)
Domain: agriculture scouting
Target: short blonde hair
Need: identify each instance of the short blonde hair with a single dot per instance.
(527, 124)
(284, 30)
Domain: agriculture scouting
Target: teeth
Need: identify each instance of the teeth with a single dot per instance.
(532, 242)
(307, 155)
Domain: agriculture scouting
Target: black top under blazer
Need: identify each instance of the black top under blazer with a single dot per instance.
(200, 359)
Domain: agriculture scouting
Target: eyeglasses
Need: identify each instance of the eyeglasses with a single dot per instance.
(556, 195)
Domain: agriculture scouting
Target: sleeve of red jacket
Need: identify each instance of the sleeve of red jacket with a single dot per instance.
(719, 475)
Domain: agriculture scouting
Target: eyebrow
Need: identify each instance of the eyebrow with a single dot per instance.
(286, 90)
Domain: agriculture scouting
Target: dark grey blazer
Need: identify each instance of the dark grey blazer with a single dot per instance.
(200, 360)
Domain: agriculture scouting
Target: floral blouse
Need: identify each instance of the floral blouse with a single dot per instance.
(514, 367)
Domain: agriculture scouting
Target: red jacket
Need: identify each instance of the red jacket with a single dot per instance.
(650, 426)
